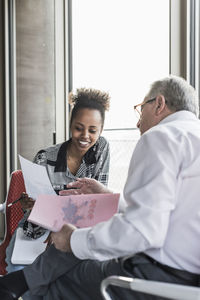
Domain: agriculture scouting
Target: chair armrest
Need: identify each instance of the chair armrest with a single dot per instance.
(166, 290)
(3, 207)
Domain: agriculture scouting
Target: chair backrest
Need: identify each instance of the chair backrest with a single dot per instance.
(13, 214)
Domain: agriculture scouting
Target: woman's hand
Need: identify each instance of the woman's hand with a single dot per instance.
(26, 201)
(85, 186)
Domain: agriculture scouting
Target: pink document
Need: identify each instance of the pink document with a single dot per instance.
(52, 211)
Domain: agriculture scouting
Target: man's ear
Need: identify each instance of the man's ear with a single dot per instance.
(160, 104)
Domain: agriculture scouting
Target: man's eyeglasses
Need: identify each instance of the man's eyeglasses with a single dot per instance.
(138, 108)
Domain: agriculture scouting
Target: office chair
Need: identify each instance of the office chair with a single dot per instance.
(160, 289)
(13, 214)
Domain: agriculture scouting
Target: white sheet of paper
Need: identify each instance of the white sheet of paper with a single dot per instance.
(27, 250)
(36, 179)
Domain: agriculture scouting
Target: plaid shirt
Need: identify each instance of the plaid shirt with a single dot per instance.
(95, 164)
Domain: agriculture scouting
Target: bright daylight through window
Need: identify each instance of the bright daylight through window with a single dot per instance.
(120, 47)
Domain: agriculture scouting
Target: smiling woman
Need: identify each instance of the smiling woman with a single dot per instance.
(85, 130)
(87, 121)
(85, 154)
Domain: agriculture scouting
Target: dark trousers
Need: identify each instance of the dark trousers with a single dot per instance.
(56, 275)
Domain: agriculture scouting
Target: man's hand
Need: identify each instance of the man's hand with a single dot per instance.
(61, 239)
(85, 186)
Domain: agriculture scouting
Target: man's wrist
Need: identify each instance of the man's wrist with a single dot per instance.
(70, 235)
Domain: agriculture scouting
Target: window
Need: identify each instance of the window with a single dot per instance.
(120, 47)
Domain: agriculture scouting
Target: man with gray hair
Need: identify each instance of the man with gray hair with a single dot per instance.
(157, 236)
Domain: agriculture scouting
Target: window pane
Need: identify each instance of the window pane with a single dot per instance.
(120, 47)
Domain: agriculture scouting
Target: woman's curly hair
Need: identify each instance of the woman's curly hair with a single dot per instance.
(90, 99)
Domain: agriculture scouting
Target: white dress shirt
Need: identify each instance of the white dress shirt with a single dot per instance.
(162, 192)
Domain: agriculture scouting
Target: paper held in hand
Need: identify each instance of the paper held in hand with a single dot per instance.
(36, 179)
(52, 211)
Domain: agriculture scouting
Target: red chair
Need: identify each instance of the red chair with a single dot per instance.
(13, 214)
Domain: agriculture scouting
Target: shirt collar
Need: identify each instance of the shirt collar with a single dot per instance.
(179, 115)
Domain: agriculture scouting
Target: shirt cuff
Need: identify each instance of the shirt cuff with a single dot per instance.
(79, 243)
